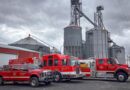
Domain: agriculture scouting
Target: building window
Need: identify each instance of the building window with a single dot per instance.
(55, 62)
(64, 62)
(100, 61)
(50, 62)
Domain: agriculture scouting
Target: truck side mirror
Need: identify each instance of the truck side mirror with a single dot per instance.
(24, 69)
(41, 65)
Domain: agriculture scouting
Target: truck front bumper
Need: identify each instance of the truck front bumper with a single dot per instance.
(46, 79)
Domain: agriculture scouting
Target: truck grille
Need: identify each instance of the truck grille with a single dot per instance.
(44, 74)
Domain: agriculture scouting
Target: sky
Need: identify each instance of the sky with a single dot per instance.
(46, 19)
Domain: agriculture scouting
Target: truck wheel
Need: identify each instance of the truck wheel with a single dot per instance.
(121, 76)
(57, 77)
(34, 82)
(1, 80)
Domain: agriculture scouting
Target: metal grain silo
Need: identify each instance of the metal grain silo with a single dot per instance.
(97, 43)
(73, 41)
(118, 52)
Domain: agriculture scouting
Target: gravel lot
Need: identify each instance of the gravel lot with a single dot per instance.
(74, 85)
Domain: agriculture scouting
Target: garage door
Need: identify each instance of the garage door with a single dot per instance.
(4, 58)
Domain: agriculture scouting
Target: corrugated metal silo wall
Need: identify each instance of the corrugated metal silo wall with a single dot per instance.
(118, 53)
(121, 56)
(89, 44)
(101, 44)
(73, 41)
(97, 43)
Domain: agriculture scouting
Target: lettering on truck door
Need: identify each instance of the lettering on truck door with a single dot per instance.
(19, 73)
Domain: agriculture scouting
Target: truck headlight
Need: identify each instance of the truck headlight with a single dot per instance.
(43, 74)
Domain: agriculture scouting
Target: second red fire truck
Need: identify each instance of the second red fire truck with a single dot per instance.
(105, 68)
(63, 66)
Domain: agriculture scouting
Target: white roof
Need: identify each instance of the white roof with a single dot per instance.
(15, 48)
(28, 40)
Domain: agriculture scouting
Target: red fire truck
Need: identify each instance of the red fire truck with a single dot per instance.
(104, 68)
(64, 66)
(25, 73)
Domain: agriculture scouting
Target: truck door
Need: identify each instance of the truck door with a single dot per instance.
(23, 73)
(7, 73)
(111, 65)
(101, 68)
(100, 65)
(56, 66)
(48, 62)
(64, 67)
(15, 72)
(19, 73)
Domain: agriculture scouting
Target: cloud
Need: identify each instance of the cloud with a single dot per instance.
(123, 40)
(46, 19)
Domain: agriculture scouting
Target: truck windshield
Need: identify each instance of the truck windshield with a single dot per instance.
(113, 61)
(74, 62)
(32, 66)
(116, 61)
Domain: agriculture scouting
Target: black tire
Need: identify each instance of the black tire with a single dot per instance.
(1, 81)
(34, 82)
(57, 77)
(47, 83)
(121, 76)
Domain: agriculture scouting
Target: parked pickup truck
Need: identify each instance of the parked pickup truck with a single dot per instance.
(25, 73)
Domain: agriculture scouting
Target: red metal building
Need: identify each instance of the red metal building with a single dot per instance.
(11, 52)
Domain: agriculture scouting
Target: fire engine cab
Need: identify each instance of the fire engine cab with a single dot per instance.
(64, 66)
(104, 68)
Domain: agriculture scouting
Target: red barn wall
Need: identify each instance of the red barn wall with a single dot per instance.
(20, 53)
